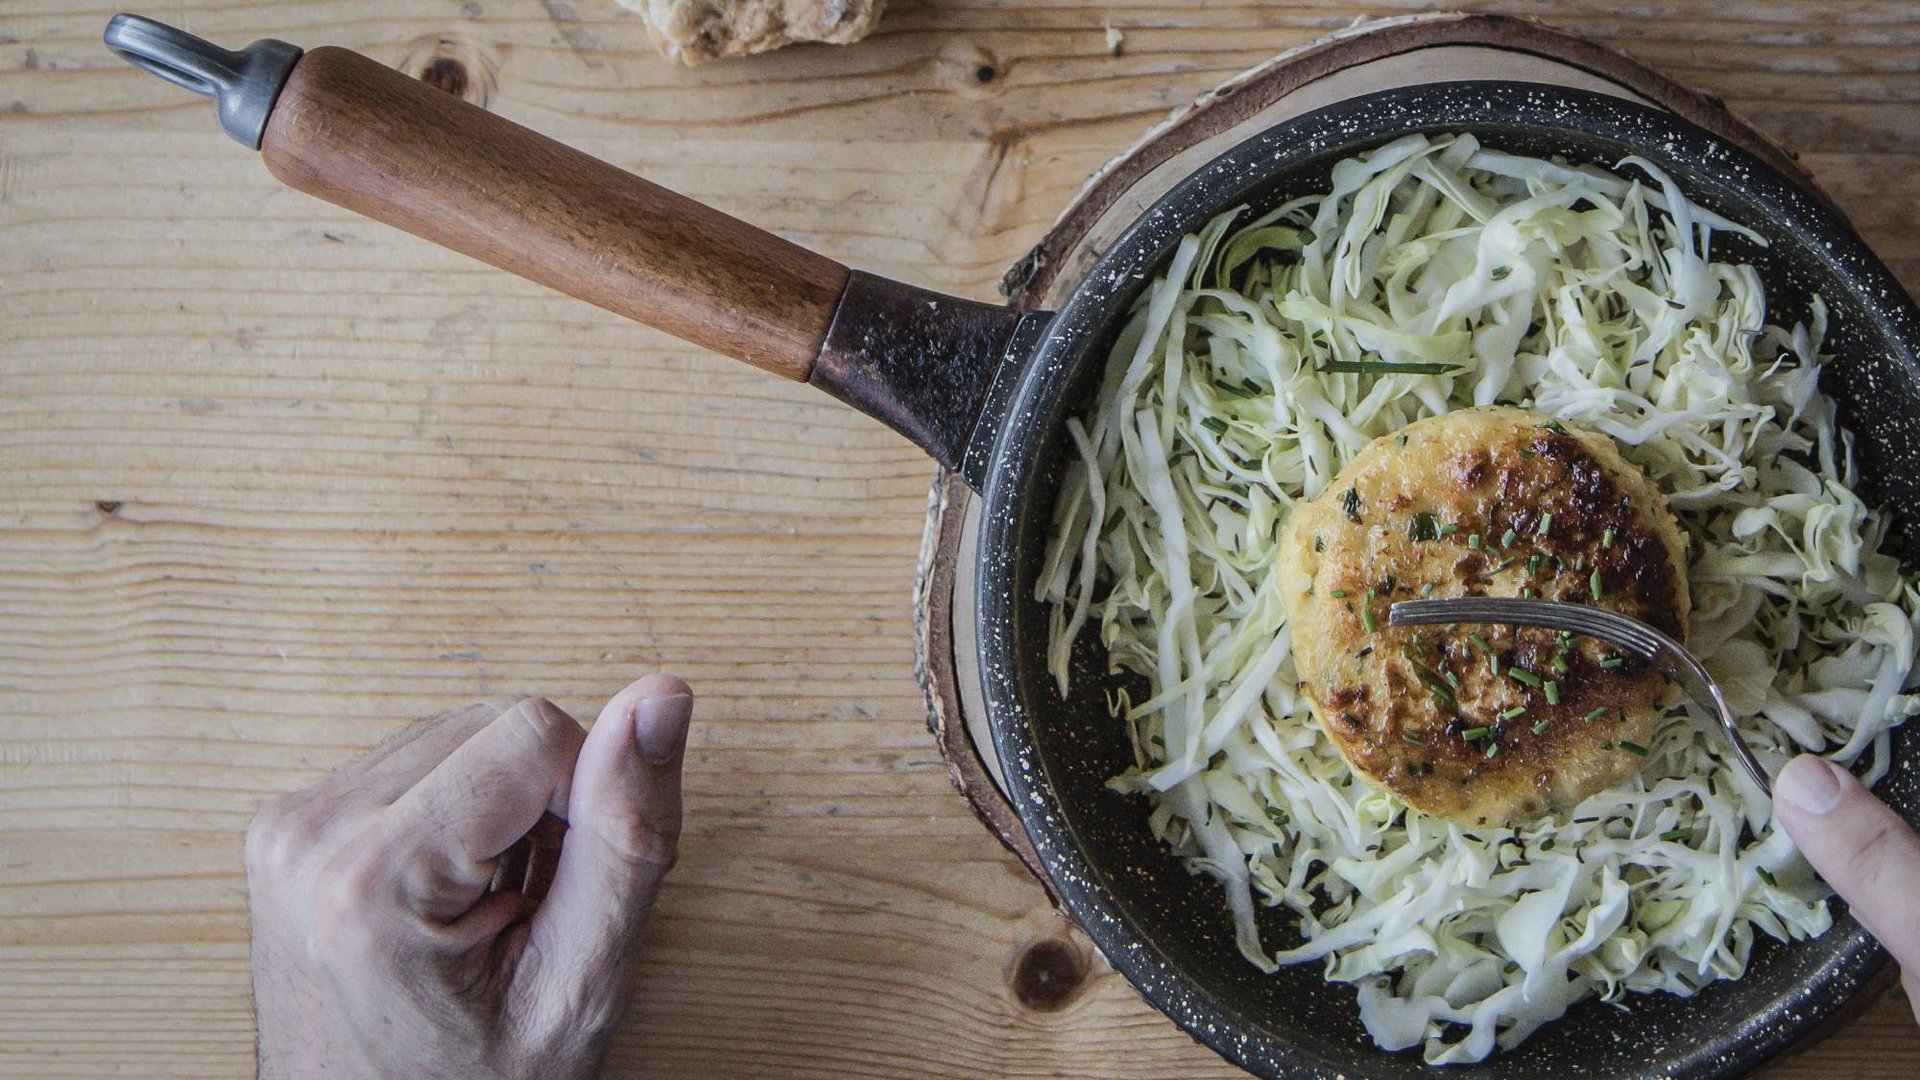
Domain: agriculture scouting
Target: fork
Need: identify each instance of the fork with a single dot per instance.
(1667, 656)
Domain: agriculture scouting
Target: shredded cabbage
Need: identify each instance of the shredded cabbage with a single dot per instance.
(1576, 291)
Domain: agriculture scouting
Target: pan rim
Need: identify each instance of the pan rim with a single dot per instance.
(1245, 170)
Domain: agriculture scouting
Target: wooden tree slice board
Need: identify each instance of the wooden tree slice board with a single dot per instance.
(1363, 59)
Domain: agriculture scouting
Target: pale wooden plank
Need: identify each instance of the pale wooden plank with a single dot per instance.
(277, 480)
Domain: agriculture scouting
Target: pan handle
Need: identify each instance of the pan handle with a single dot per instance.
(361, 135)
(364, 136)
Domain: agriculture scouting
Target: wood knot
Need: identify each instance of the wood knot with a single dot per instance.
(446, 73)
(453, 63)
(1049, 974)
(970, 71)
(107, 507)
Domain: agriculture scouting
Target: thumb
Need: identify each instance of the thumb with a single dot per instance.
(1861, 847)
(623, 825)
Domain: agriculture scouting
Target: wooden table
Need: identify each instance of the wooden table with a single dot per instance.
(275, 480)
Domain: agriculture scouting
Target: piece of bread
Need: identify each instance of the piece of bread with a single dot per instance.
(695, 31)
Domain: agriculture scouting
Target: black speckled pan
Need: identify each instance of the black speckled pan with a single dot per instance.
(1167, 931)
(986, 391)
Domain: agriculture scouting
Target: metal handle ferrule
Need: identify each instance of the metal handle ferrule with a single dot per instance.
(243, 84)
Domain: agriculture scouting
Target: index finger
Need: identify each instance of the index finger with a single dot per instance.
(474, 805)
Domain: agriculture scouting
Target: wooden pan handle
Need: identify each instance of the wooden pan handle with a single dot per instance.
(364, 136)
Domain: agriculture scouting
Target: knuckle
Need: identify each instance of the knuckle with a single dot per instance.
(489, 707)
(344, 899)
(279, 836)
(1870, 858)
(641, 842)
(545, 725)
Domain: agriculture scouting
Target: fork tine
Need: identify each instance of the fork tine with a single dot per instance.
(1594, 622)
(1630, 634)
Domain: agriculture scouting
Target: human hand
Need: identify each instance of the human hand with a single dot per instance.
(1863, 849)
(397, 930)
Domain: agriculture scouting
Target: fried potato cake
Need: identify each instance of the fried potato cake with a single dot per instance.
(1484, 725)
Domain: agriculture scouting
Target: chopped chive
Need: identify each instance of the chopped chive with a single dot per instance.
(1522, 675)
(1612, 662)
(1214, 424)
(1423, 527)
(1319, 544)
(1593, 582)
(1542, 724)
(1365, 651)
(1559, 665)
(1633, 748)
(1514, 713)
(1452, 680)
(1441, 692)
(1384, 367)
(1546, 523)
(1427, 589)
(1231, 391)
(1349, 719)
(1526, 454)
(1474, 541)
(1596, 714)
(1277, 815)
(1403, 440)
(1350, 502)
(1606, 538)
(1493, 748)
(1338, 594)
(1554, 425)
(1495, 660)
(1449, 528)
(1553, 692)
(1500, 272)
(1252, 387)
(1534, 563)
(1412, 738)
(1480, 643)
(1674, 835)
(1475, 734)
(1503, 564)
(1766, 876)
(1366, 613)
(1507, 539)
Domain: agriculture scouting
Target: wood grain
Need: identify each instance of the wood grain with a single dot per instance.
(411, 153)
(275, 479)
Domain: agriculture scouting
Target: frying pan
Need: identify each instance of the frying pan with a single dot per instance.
(986, 390)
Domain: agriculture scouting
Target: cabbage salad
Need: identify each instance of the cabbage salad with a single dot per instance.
(1439, 274)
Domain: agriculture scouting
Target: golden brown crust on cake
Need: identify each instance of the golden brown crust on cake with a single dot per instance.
(1482, 724)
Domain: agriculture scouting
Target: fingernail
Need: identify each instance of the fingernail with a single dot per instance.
(1809, 783)
(660, 725)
